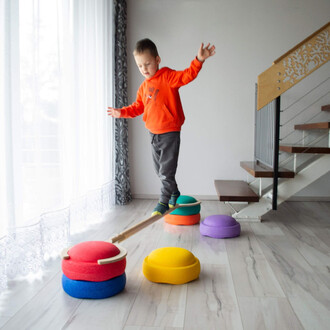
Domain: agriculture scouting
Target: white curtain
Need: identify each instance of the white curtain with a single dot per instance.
(55, 135)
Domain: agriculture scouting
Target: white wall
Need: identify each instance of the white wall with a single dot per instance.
(219, 104)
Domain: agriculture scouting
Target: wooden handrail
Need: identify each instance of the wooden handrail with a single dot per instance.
(293, 66)
(324, 27)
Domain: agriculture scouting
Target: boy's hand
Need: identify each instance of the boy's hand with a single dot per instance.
(205, 52)
(114, 112)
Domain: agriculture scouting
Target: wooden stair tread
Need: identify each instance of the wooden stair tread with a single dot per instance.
(258, 170)
(305, 149)
(235, 191)
(325, 107)
(323, 125)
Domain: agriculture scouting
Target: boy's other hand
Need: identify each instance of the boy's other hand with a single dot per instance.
(114, 112)
(205, 52)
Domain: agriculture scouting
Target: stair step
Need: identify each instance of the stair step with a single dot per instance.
(305, 149)
(324, 125)
(235, 191)
(325, 107)
(259, 170)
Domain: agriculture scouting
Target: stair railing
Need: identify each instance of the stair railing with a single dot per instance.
(305, 115)
(264, 130)
(287, 71)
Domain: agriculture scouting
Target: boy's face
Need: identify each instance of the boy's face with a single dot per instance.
(147, 64)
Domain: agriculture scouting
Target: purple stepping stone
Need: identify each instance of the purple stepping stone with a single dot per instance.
(220, 226)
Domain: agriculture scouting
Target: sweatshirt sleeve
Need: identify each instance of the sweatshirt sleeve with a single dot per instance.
(180, 78)
(135, 109)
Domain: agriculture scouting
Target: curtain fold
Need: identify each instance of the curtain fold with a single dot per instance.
(120, 126)
(55, 136)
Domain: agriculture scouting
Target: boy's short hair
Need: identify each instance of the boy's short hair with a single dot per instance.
(146, 44)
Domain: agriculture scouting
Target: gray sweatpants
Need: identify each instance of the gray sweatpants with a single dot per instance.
(165, 153)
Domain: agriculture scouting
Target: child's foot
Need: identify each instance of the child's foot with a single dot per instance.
(173, 199)
(160, 209)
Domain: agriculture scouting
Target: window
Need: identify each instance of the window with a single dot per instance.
(55, 135)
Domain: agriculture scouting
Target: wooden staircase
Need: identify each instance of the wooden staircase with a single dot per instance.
(235, 191)
(285, 72)
(305, 127)
(241, 191)
(304, 149)
(259, 170)
(324, 125)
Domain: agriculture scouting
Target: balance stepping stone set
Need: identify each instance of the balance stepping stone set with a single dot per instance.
(84, 277)
(216, 226)
(220, 226)
(184, 216)
(96, 269)
(171, 265)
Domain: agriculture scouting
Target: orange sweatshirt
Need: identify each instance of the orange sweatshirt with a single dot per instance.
(159, 100)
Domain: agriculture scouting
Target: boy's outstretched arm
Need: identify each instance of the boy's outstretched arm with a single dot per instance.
(205, 52)
(114, 112)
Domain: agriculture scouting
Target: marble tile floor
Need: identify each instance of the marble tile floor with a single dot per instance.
(276, 275)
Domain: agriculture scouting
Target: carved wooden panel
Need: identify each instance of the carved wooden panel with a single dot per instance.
(294, 66)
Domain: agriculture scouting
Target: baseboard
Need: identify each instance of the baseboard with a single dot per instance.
(145, 196)
(199, 197)
(309, 199)
(215, 198)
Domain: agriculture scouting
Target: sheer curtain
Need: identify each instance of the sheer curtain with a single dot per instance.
(55, 135)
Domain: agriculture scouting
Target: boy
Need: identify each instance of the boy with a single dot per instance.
(159, 101)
